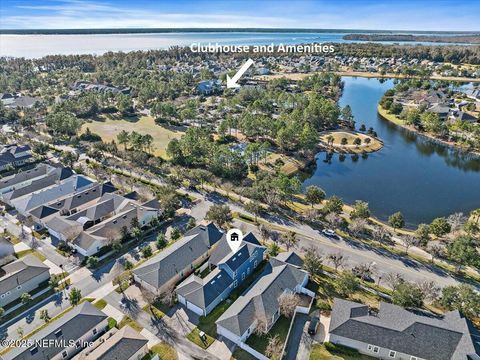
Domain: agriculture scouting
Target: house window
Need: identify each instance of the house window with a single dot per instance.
(64, 354)
(94, 331)
(235, 283)
(19, 287)
(243, 276)
(413, 358)
(2, 296)
(255, 263)
(8, 293)
(392, 354)
(373, 348)
(248, 270)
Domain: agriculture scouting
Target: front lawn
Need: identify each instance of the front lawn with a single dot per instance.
(129, 321)
(194, 337)
(280, 328)
(23, 253)
(100, 304)
(335, 352)
(164, 352)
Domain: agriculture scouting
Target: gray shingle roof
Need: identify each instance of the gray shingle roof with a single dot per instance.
(73, 325)
(125, 343)
(39, 170)
(290, 257)
(416, 334)
(20, 271)
(164, 266)
(261, 300)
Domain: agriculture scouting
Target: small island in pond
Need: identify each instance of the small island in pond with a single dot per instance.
(349, 142)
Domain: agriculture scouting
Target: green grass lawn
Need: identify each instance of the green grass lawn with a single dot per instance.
(154, 311)
(194, 337)
(320, 352)
(280, 328)
(23, 253)
(108, 127)
(164, 352)
(111, 323)
(100, 304)
(129, 321)
(240, 354)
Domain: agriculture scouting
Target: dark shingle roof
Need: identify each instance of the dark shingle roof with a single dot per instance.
(20, 271)
(161, 268)
(73, 325)
(395, 328)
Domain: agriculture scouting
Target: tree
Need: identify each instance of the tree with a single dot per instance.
(92, 262)
(26, 298)
(357, 226)
(254, 208)
(273, 249)
(463, 298)
(161, 241)
(435, 251)
(408, 294)
(382, 235)
(75, 296)
(289, 239)
(314, 195)
(423, 234)
(274, 347)
(409, 241)
(337, 259)
(288, 302)
(393, 280)
(191, 223)
(219, 214)
(456, 221)
(430, 290)
(463, 250)
(54, 281)
(313, 261)
(360, 210)
(346, 283)
(69, 158)
(146, 251)
(396, 221)
(333, 205)
(175, 234)
(167, 296)
(44, 315)
(261, 326)
(439, 227)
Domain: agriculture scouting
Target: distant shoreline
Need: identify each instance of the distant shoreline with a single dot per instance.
(219, 30)
(466, 39)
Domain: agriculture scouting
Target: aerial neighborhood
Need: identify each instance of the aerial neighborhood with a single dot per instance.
(162, 203)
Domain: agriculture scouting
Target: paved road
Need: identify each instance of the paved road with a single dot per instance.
(160, 328)
(355, 251)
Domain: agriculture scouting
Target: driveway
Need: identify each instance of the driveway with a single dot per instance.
(299, 341)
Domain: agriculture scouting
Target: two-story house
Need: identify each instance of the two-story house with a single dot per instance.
(230, 269)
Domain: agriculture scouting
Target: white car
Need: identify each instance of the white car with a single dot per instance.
(329, 233)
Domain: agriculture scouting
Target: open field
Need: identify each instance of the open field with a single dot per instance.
(109, 127)
(374, 145)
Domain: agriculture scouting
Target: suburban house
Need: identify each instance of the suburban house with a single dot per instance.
(21, 276)
(230, 269)
(123, 344)
(473, 94)
(68, 205)
(83, 85)
(260, 304)
(17, 100)
(26, 178)
(96, 226)
(166, 269)
(41, 192)
(7, 251)
(64, 337)
(393, 332)
(14, 155)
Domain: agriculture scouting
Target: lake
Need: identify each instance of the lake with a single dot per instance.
(410, 174)
(35, 46)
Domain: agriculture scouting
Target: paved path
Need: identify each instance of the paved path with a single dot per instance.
(299, 341)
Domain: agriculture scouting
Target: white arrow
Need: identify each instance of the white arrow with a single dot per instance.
(232, 82)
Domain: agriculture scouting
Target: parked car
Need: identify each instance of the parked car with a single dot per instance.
(313, 326)
(330, 233)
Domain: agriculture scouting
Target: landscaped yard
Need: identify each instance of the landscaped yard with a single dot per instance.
(23, 253)
(194, 337)
(100, 304)
(108, 127)
(335, 352)
(280, 328)
(129, 321)
(164, 352)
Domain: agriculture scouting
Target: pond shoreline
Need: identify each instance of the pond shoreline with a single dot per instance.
(399, 122)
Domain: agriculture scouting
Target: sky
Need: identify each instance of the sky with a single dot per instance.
(439, 15)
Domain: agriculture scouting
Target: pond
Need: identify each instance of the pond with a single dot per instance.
(410, 174)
